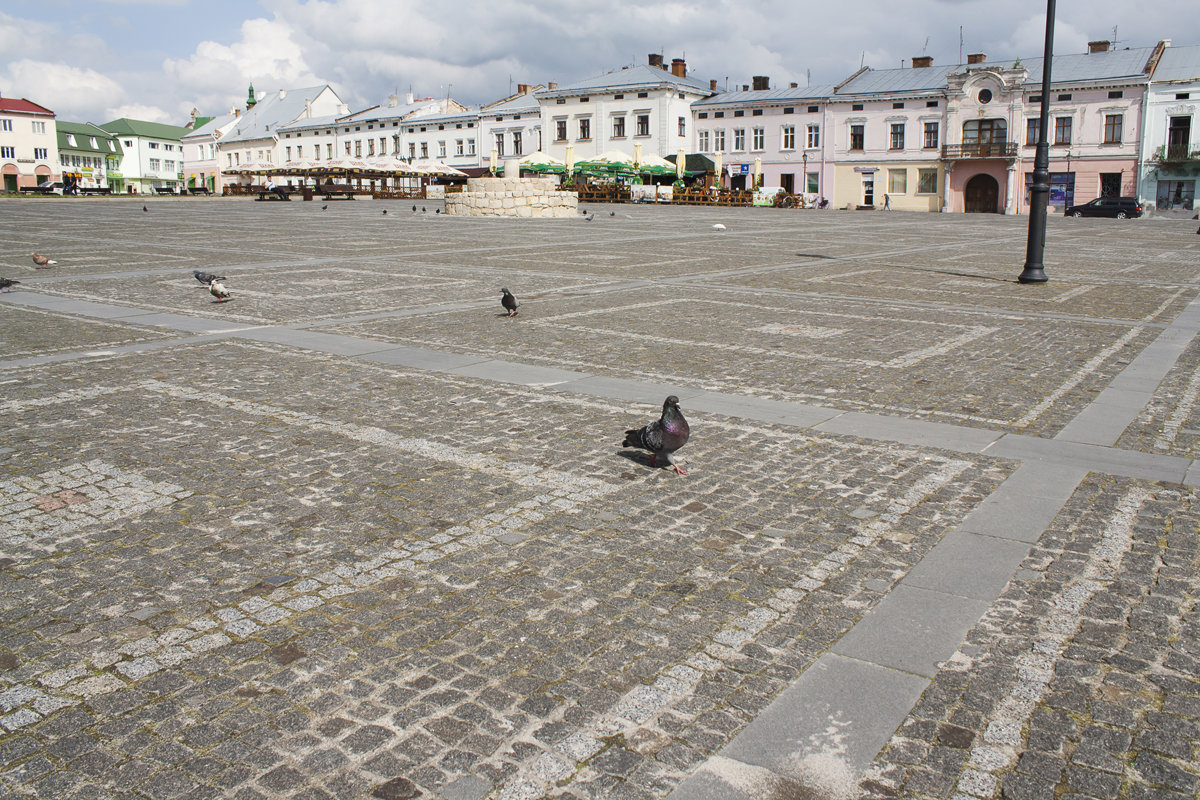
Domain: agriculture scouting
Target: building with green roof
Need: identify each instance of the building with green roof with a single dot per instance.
(89, 155)
(153, 156)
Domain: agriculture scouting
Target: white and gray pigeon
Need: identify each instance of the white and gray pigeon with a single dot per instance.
(663, 436)
(218, 290)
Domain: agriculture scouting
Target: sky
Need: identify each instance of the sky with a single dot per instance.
(157, 60)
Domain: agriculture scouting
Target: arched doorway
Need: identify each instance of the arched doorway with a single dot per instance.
(982, 195)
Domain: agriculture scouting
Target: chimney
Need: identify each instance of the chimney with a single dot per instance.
(976, 58)
(712, 85)
(745, 87)
(552, 85)
(1098, 46)
(793, 85)
(761, 83)
(678, 68)
(656, 60)
(393, 100)
(919, 62)
(523, 88)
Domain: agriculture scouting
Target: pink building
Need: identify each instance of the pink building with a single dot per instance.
(976, 127)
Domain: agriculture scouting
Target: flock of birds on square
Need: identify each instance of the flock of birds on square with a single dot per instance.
(661, 437)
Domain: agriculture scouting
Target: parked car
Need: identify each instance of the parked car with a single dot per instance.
(1118, 207)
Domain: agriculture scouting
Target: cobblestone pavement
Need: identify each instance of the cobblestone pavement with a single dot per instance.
(354, 534)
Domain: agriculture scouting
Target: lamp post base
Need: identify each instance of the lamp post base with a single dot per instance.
(1032, 275)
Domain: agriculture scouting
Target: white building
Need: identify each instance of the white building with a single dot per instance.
(201, 166)
(1170, 166)
(28, 144)
(153, 157)
(255, 138)
(647, 105)
(451, 139)
(511, 126)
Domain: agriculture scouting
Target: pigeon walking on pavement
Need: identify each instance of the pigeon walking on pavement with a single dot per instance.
(509, 302)
(663, 436)
(42, 262)
(218, 290)
(207, 278)
(6, 284)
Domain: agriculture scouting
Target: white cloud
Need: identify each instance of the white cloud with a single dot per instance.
(86, 93)
(141, 112)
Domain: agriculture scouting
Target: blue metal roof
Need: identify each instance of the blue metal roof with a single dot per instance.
(272, 112)
(640, 75)
(768, 96)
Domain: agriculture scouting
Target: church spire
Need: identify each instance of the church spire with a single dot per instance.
(250, 101)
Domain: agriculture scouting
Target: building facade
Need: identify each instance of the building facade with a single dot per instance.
(90, 157)
(784, 130)
(152, 156)
(647, 105)
(255, 138)
(201, 165)
(1170, 170)
(512, 127)
(28, 144)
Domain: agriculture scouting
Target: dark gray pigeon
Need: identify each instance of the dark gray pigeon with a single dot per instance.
(662, 437)
(6, 284)
(509, 302)
(207, 277)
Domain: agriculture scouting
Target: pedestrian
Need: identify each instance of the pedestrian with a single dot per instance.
(271, 187)
(887, 203)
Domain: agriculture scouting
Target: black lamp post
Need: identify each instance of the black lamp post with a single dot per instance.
(804, 178)
(1039, 195)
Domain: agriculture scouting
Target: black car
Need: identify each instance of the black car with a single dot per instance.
(1118, 207)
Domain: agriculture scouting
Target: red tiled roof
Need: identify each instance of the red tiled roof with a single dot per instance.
(22, 106)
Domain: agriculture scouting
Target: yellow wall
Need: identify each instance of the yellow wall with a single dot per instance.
(848, 187)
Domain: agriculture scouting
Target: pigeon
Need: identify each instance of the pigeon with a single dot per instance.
(385, 212)
(662, 437)
(718, 227)
(612, 213)
(509, 302)
(414, 208)
(218, 290)
(437, 211)
(589, 217)
(145, 209)
(324, 206)
(6, 284)
(423, 209)
(42, 261)
(207, 277)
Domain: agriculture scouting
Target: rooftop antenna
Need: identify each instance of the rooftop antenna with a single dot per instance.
(862, 59)
(925, 49)
(960, 58)
(808, 77)
(1114, 41)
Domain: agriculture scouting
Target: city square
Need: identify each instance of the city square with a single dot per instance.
(355, 533)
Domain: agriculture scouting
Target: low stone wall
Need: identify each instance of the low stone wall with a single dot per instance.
(512, 197)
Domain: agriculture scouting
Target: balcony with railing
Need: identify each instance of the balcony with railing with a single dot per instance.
(1175, 154)
(980, 150)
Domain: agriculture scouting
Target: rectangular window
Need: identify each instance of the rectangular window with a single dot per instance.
(560, 130)
(516, 143)
(8, 152)
(719, 140)
(931, 136)
(5, 124)
(39, 127)
(1062, 130)
(757, 112)
(153, 145)
(618, 128)
(739, 139)
(739, 113)
(813, 109)
(702, 141)
(1116, 94)
(683, 126)
(812, 182)
(760, 139)
(897, 105)
(814, 137)
(289, 153)
(1033, 129)
(1114, 125)
(585, 128)
(41, 153)
(458, 147)
(643, 124)
(788, 140)
(927, 181)
(358, 148)
(442, 149)
(155, 164)
(169, 166)
(299, 151)
(789, 109)
(470, 147)
(412, 150)
(329, 149)
(500, 145)
(896, 142)
(897, 181)
(424, 149)
(856, 137)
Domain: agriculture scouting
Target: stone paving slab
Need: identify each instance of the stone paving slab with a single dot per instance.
(29, 332)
